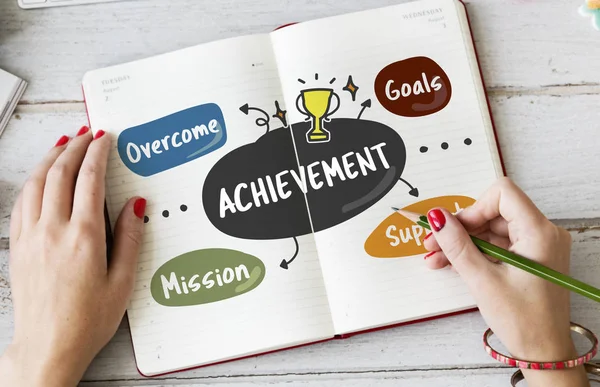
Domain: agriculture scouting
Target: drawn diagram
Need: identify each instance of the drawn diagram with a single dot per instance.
(295, 179)
(325, 167)
(301, 177)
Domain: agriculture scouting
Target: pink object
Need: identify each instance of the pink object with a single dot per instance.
(544, 365)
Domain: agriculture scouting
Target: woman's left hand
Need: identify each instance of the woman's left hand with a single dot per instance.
(68, 299)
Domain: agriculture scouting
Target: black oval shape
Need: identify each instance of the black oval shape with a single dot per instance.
(271, 154)
(329, 205)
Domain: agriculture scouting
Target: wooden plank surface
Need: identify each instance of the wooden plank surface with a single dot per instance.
(443, 344)
(439, 378)
(521, 44)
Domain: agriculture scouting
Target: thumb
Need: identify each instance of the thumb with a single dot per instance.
(457, 245)
(126, 248)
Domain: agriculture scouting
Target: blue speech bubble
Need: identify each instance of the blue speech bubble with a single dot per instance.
(173, 140)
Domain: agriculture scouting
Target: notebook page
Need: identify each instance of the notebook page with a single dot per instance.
(288, 307)
(447, 152)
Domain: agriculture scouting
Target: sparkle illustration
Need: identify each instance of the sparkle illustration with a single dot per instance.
(281, 114)
(302, 81)
(351, 88)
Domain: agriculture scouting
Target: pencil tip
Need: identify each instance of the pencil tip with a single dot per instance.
(395, 209)
(412, 216)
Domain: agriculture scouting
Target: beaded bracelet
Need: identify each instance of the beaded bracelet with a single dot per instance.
(545, 365)
(590, 368)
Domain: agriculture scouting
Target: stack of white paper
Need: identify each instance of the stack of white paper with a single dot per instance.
(11, 90)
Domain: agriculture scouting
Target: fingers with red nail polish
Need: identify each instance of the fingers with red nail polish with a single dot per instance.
(60, 179)
(437, 220)
(128, 241)
(139, 208)
(99, 134)
(84, 129)
(62, 141)
(59, 264)
(436, 260)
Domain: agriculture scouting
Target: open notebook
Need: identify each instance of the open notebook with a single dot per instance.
(270, 163)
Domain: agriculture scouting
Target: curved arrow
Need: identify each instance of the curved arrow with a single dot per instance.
(259, 121)
(366, 104)
(413, 190)
(285, 264)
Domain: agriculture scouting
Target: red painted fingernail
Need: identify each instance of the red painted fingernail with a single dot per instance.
(139, 208)
(427, 236)
(429, 255)
(62, 141)
(99, 134)
(84, 129)
(437, 220)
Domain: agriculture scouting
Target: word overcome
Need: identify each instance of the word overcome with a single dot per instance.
(314, 176)
(135, 152)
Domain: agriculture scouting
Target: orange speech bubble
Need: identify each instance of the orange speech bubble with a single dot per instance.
(398, 237)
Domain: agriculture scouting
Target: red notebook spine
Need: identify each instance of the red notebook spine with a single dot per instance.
(285, 25)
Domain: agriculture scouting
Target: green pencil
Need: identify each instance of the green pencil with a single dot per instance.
(513, 259)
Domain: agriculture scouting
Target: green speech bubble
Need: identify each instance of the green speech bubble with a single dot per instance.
(205, 276)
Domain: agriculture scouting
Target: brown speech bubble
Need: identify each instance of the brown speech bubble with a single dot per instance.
(413, 87)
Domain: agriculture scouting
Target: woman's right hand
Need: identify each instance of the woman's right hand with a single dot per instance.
(531, 316)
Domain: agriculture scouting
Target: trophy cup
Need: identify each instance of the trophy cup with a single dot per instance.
(316, 104)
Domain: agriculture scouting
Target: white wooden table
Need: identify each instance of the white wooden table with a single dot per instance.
(541, 63)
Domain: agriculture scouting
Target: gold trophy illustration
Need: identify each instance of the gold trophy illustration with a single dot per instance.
(316, 104)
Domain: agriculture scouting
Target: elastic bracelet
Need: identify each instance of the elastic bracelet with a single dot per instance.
(590, 368)
(545, 365)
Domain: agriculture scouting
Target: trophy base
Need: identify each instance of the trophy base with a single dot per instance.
(317, 137)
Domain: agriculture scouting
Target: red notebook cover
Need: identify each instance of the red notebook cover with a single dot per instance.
(348, 335)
